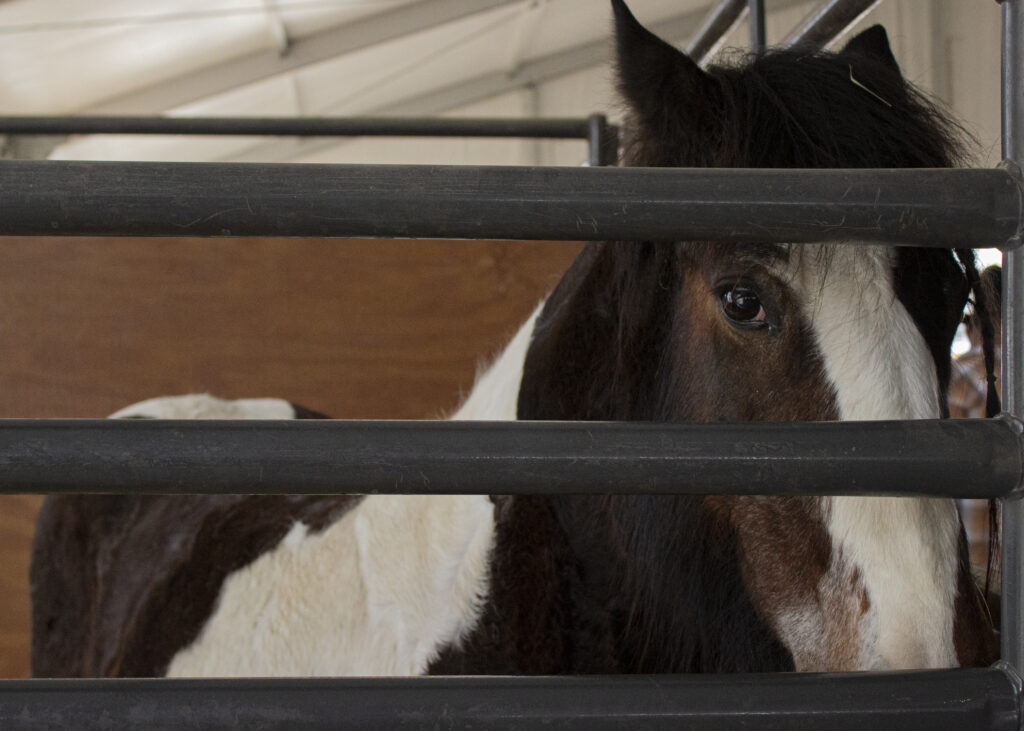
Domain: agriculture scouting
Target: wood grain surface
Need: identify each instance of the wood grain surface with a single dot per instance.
(17, 521)
(356, 329)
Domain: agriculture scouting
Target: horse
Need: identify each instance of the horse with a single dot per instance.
(689, 331)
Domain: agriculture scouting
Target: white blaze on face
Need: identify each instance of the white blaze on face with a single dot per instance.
(880, 368)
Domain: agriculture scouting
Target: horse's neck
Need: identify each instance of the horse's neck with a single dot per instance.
(587, 584)
(664, 573)
(529, 624)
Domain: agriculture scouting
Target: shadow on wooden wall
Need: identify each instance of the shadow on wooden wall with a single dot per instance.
(356, 329)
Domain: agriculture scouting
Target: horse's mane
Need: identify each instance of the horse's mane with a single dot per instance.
(800, 108)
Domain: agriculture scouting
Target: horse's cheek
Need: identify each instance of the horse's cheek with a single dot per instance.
(812, 601)
(705, 377)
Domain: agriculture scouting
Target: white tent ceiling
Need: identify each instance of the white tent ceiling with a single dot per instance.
(327, 57)
(61, 56)
(293, 57)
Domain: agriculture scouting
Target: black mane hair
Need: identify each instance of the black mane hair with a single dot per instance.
(797, 108)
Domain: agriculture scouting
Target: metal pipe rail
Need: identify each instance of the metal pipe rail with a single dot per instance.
(952, 458)
(601, 137)
(756, 23)
(935, 207)
(1012, 635)
(720, 20)
(828, 21)
(299, 126)
(958, 700)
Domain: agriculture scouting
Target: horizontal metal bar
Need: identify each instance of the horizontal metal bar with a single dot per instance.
(959, 700)
(298, 126)
(957, 458)
(947, 208)
(828, 21)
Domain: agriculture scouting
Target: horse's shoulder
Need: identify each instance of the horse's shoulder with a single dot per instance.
(123, 582)
(120, 583)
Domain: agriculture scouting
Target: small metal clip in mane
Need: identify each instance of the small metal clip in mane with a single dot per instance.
(857, 83)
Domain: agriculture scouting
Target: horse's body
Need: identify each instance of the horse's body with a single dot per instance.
(692, 331)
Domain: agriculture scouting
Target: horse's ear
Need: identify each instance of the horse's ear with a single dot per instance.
(873, 43)
(653, 75)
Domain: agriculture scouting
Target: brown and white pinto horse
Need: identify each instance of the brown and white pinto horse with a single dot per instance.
(690, 331)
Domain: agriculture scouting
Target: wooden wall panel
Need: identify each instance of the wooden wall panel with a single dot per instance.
(17, 521)
(356, 329)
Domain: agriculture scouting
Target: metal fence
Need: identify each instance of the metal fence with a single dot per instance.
(601, 137)
(977, 458)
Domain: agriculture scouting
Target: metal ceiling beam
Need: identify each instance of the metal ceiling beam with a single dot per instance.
(337, 41)
(485, 86)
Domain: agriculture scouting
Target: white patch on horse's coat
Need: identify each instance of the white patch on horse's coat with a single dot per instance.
(295, 536)
(495, 395)
(881, 368)
(380, 592)
(204, 406)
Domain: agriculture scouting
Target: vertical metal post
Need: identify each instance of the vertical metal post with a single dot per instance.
(755, 19)
(602, 141)
(1013, 336)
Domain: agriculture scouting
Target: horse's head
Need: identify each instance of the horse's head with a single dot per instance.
(714, 331)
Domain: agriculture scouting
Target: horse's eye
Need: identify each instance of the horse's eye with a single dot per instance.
(743, 307)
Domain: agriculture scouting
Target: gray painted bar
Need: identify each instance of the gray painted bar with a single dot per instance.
(952, 458)
(953, 700)
(1012, 631)
(946, 208)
